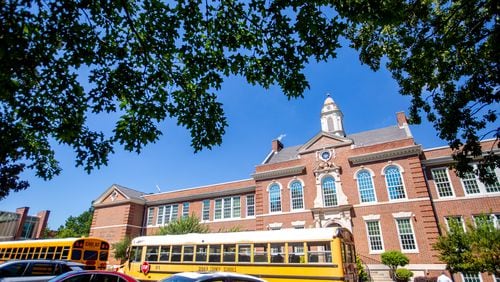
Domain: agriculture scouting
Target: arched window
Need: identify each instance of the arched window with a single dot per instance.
(365, 186)
(394, 183)
(329, 191)
(274, 198)
(297, 195)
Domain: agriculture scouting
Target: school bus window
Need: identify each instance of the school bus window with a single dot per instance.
(229, 253)
(76, 255)
(90, 255)
(18, 252)
(214, 253)
(176, 253)
(260, 253)
(244, 253)
(58, 253)
(65, 253)
(277, 253)
(103, 255)
(24, 253)
(50, 253)
(296, 253)
(201, 253)
(188, 254)
(135, 254)
(152, 253)
(319, 252)
(164, 253)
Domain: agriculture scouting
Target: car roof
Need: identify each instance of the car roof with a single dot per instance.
(77, 272)
(68, 262)
(204, 275)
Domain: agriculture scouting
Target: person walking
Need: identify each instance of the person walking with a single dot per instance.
(443, 277)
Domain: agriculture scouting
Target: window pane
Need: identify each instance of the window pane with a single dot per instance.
(366, 189)
(218, 209)
(250, 205)
(394, 183)
(260, 253)
(329, 192)
(374, 235)
(406, 236)
(236, 207)
(442, 181)
(150, 216)
(206, 210)
(275, 198)
(470, 183)
(297, 196)
(201, 253)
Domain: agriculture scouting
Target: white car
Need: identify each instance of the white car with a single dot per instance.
(211, 277)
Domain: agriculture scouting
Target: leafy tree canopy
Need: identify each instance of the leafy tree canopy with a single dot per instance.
(477, 250)
(76, 226)
(120, 248)
(184, 225)
(141, 62)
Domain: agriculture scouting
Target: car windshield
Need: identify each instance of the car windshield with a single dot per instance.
(178, 279)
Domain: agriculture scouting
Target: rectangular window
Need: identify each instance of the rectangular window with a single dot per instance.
(185, 209)
(473, 186)
(152, 253)
(471, 277)
(229, 207)
(218, 209)
(250, 205)
(442, 182)
(164, 253)
(167, 214)
(206, 210)
(406, 236)
(450, 220)
(244, 252)
(150, 216)
(201, 253)
(374, 235)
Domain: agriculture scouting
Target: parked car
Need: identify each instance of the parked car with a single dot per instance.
(93, 276)
(35, 270)
(211, 277)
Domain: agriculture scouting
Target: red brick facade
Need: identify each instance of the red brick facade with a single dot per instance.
(331, 169)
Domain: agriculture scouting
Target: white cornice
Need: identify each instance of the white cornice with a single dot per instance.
(279, 172)
(388, 154)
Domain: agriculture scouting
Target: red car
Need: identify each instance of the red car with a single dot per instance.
(93, 276)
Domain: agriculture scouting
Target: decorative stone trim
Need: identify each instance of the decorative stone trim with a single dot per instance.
(385, 155)
(279, 173)
(275, 225)
(402, 215)
(371, 217)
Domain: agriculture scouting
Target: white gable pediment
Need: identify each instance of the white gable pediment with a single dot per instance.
(112, 194)
(324, 140)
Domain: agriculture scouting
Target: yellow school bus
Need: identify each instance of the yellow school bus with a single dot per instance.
(316, 254)
(92, 252)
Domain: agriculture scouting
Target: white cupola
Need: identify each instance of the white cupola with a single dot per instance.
(332, 118)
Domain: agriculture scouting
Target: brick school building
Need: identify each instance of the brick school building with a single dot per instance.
(391, 193)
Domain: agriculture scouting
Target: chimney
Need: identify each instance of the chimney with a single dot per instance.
(277, 145)
(401, 118)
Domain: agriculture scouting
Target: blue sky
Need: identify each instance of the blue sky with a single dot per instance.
(255, 115)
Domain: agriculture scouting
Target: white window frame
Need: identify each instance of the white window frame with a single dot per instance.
(447, 182)
(368, 236)
(150, 220)
(406, 216)
(401, 172)
(248, 205)
(173, 214)
(185, 211)
(459, 217)
(481, 185)
(205, 210)
(335, 195)
(370, 172)
(301, 197)
(229, 203)
(468, 280)
(280, 197)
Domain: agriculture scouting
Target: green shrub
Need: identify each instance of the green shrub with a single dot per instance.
(403, 274)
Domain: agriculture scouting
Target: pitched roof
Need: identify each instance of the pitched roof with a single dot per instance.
(128, 192)
(365, 138)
